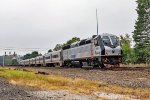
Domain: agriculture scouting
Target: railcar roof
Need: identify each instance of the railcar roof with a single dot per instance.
(52, 52)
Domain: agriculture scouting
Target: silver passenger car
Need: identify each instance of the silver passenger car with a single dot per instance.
(53, 58)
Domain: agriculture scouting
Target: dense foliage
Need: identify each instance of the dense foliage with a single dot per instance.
(14, 62)
(126, 47)
(50, 50)
(141, 35)
(32, 55)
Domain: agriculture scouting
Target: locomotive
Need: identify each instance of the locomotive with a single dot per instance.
(103, 51)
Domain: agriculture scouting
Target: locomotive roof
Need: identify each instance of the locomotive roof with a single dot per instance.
(84, 41)
(107, 34)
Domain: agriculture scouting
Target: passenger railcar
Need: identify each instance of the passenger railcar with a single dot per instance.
(53, 58)
(39, 60)
(32, 61)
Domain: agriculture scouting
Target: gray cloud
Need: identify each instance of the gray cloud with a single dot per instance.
(44, 23)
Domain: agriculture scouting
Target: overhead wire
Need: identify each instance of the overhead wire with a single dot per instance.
(22, 50)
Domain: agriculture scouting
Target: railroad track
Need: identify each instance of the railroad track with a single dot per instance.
(89, 68)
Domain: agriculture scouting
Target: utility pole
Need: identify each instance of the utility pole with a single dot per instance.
(97, 20)
(3, 60)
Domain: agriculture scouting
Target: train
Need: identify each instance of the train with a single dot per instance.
(102, 51)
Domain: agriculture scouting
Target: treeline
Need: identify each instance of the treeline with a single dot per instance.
(141, 36)
(31, 55)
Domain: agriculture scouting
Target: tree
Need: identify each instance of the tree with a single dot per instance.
(142, 27)
(58, 47)
(133, 56)
(147, 54)
(32, 55)
(126, 48)
(73, 40)
(141, 34)
(14, 62)
(50, 50)
(27, 56)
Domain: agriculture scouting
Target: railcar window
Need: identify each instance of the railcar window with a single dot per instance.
(66, 47)
(47, 57)
(82, 42)
(55, 56)
(72, 46)
(77, 44)
(88, 41)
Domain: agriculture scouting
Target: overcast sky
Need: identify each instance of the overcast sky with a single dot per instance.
(45, 23)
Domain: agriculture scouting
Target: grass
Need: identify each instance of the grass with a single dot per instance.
(51, 82)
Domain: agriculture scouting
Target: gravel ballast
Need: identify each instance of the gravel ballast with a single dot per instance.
(13, 92)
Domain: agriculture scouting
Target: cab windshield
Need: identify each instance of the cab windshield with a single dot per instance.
(114, 40)
(111, 41)
(106, 41)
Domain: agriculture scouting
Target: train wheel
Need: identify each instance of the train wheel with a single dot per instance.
(69, 65)
(64, 64)
(53, 65)
(101, 65)
(81, 64)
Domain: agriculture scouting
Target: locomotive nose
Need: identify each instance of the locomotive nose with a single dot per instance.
(113, 51)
